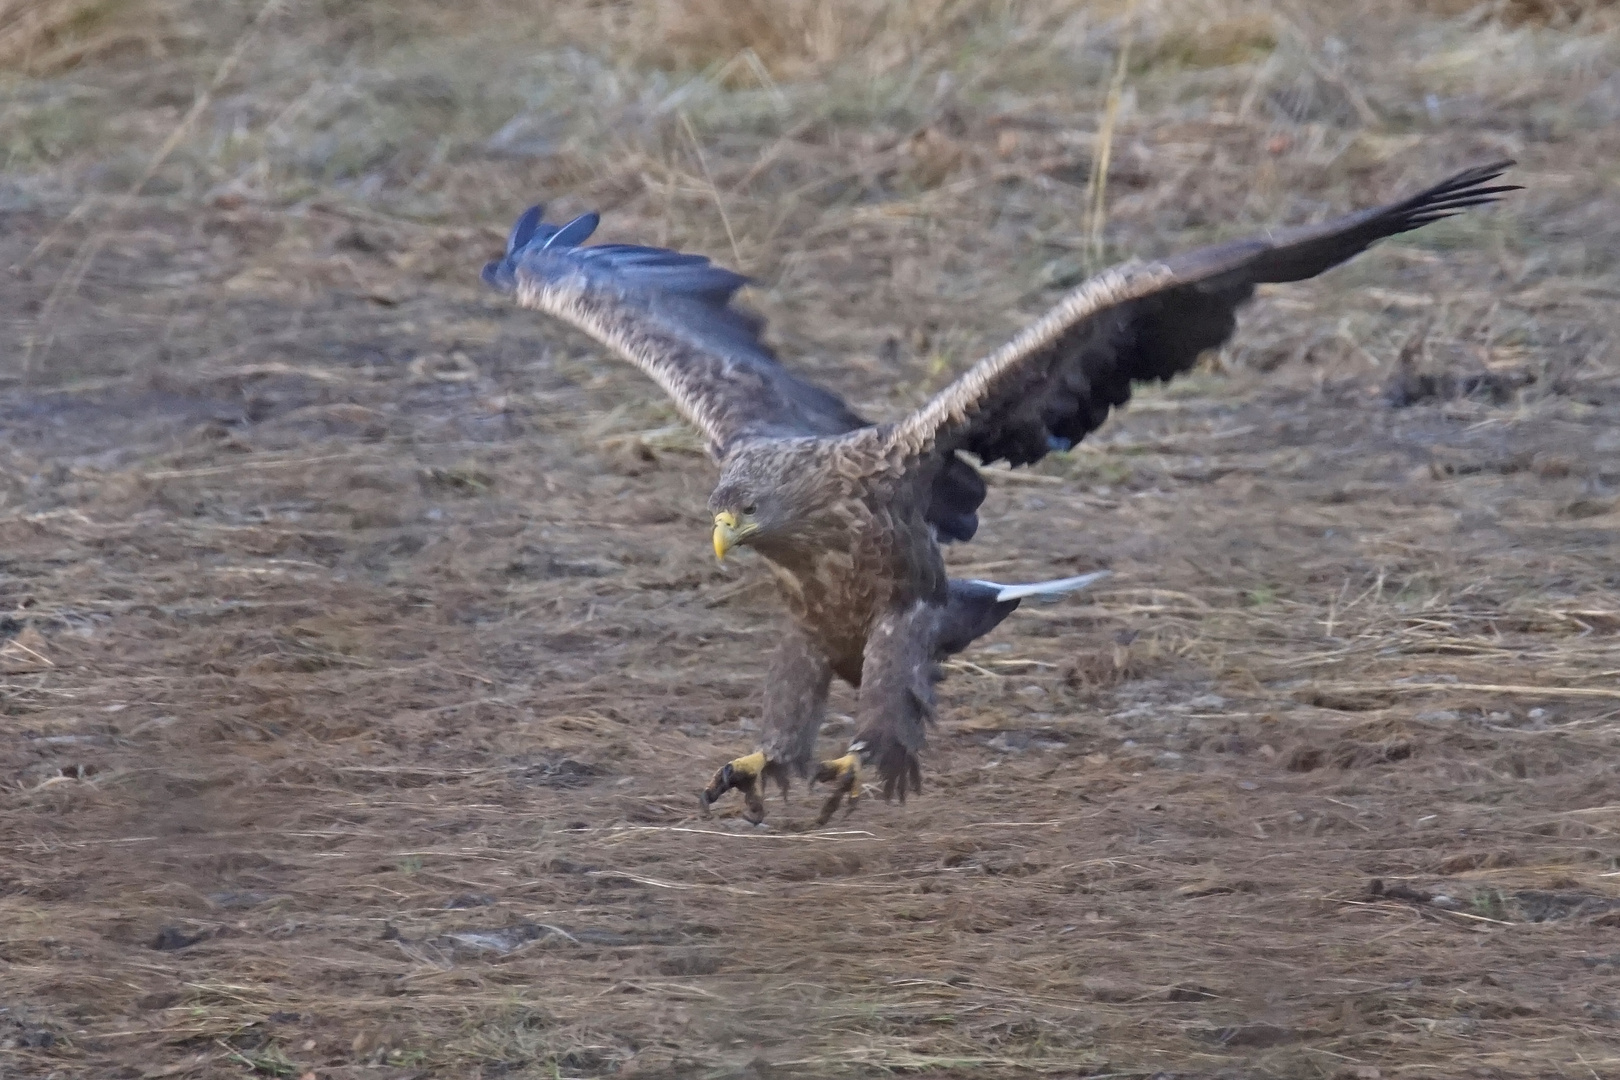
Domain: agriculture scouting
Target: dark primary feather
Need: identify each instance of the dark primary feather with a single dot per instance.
(1051, 397)
(711, 348)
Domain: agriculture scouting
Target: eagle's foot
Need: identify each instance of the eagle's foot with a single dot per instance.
(845, 775)
(748, 775)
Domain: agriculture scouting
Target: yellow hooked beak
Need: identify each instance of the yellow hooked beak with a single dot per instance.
(727, 531)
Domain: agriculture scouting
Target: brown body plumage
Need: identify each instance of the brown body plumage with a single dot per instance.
(851, 515)
(858, 542)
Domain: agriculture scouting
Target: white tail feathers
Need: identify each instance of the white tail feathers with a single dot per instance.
(1045, 588)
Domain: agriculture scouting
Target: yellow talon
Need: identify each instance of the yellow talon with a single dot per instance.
(848, 766)
(845, 774)
(744, 774)
(751, 765)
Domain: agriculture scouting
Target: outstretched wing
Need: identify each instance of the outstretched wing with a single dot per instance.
(1057, 380)
(671, 315)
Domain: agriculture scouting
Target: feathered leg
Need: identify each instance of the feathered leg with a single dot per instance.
(795, 697)
(896, 706)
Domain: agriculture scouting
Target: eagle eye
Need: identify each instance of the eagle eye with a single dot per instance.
(750, 508)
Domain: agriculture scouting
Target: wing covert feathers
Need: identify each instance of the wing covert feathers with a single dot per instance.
(671, 315)
(959, 402)
(1058, 379)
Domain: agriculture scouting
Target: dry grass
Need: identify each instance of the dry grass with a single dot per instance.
(33, 35)
(55, 37)
(359, 653)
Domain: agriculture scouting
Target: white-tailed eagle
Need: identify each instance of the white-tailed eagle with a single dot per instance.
(851, 515)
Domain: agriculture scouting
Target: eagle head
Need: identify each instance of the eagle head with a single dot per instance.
(754, 501)
(737, 514)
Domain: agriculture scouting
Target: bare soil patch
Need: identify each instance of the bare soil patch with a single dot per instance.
(361, 653)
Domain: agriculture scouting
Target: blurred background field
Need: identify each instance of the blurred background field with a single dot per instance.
(361, 653)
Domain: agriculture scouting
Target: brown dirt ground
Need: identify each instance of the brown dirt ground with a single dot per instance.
(363, 652)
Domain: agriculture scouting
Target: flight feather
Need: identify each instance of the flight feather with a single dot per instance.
(1057, 380)
(671, 314)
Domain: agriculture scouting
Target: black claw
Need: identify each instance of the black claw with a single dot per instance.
(727, 778)
(843, 792)
(829, 807)
(724, 780)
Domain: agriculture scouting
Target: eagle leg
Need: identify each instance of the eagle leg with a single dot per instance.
(845, 775)
(897, 695)
(795, 699)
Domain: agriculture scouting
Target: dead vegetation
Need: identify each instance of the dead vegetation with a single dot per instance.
(360, 656)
